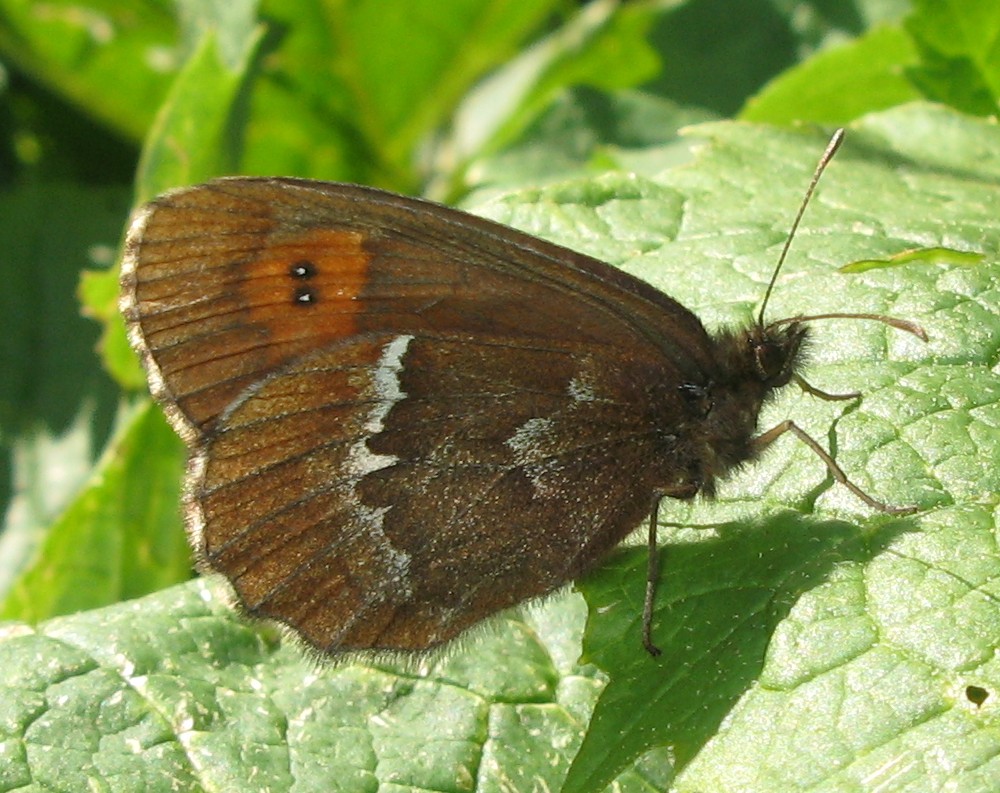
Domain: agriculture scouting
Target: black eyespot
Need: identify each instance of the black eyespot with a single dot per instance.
(304, 296)
(302, 269)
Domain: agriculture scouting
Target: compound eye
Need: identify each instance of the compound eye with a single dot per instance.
(697, 397)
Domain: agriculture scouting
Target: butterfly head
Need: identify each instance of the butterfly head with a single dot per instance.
(758, 360)
(776, 351)
(752, 365)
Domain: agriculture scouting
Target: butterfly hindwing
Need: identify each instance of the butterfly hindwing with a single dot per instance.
(408, 474)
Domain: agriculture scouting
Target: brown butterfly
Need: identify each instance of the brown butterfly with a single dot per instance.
(403, 418)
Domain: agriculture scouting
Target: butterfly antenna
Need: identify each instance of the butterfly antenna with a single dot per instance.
(831, 149)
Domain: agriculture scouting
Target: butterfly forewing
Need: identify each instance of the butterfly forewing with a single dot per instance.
(226, 282)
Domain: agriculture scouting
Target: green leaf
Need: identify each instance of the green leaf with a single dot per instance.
(359, 91)
(959, 45)
(945, 52)
(447, 46)
(120, 537)
(98, 293)
(233, 26)
(772, 621)
(110, 57)
(45, 346)
(355, 91)
(938, 255)
(793, 622)
(56, 405)
(604, 46)
(825, 88)
(173, 693)
(195, 135)
(807, 644)
(585, 133)
(719, 54)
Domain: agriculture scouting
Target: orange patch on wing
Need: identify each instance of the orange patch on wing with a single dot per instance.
(341, 269)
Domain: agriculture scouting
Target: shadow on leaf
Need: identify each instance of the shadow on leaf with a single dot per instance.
(718, 604)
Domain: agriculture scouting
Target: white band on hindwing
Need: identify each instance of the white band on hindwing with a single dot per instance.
(386, 392)
(361, 460)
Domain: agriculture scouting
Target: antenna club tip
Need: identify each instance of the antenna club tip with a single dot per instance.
(831, 148)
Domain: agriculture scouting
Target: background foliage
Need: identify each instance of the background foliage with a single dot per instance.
(809, 645)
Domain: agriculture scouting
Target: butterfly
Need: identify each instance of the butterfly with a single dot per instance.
(403, 418)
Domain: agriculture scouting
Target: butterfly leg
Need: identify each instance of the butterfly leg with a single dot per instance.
(762, 441)
(809, 388)
(684, 491)
(652, 576)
